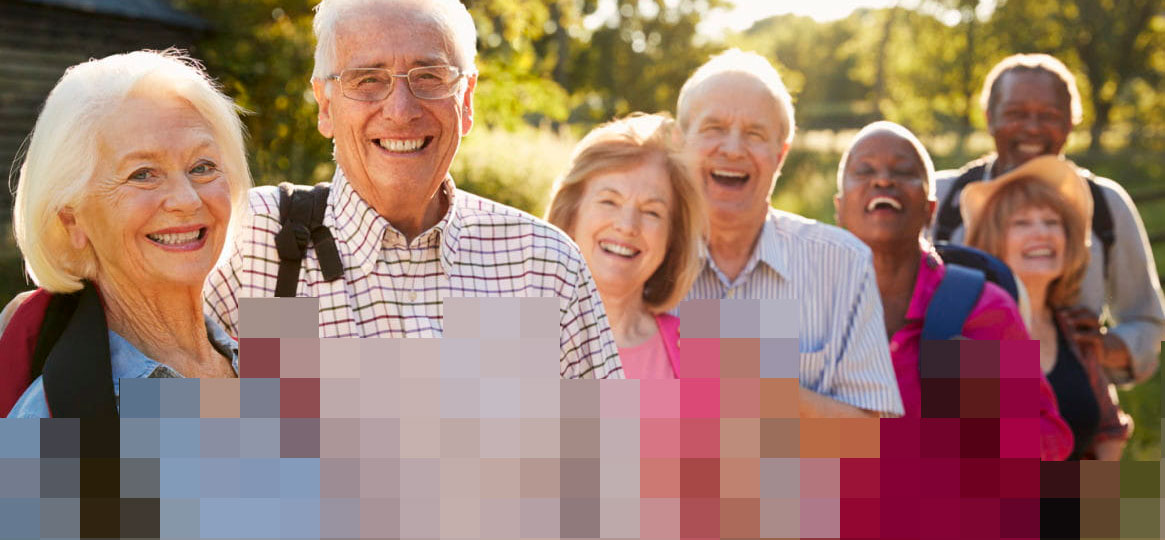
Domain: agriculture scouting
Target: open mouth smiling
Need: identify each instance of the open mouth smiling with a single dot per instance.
(729, 178)
(403, 146)
(179, 239)
(883, 203)
(618, 250)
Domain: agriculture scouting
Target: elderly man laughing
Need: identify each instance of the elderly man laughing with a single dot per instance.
(737, 119)
(394, 80)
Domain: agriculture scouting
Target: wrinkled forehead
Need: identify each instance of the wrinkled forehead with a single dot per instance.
(731, 93)
(885, 143)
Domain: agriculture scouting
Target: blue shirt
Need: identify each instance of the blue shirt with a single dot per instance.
(841, 333)
(127, 363)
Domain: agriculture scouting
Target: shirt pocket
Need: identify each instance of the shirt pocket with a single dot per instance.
(813, 370)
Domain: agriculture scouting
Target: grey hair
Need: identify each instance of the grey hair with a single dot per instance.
(900, 131)
(450, 14)
(63, 151)
(1032, 63)
(749, 63)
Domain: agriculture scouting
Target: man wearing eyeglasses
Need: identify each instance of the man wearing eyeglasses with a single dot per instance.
(394, 80)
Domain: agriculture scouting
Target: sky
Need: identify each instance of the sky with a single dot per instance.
(747, 12)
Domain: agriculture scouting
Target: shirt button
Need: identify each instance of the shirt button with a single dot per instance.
(732, 293)
(412, 297)
(895, 346)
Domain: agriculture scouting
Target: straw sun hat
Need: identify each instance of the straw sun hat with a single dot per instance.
(1055, 171)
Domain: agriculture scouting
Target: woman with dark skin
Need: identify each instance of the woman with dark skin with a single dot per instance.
(886, 198)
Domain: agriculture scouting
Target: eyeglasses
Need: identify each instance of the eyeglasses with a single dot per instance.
(375, 84)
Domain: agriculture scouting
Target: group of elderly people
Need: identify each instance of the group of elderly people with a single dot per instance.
(135, 217)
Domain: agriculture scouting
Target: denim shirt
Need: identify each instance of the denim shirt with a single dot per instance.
(127, 363)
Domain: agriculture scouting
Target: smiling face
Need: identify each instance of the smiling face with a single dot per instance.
(884, 196)
(395, 152)
(735, 145)
(1034, 245)
(1031, 117)
(621, 226)
(157, 209)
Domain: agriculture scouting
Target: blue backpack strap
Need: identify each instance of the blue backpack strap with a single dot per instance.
(952, 302)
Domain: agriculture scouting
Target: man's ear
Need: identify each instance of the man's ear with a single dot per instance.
(77, 237)
(319, 89)
(467, 104)
(837, 209)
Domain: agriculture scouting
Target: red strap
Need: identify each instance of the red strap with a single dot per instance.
(18, 344)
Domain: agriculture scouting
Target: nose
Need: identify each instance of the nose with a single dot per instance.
(182, 195)
(627, 222)
(401, 105)
(732, 145)
(882, 178)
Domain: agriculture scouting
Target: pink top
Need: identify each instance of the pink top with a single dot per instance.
(995, 317)
(657, 357)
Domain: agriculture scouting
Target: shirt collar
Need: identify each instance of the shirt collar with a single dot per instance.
(930, 275)
(768, 250)
(989, 163)
(364, 230)
(128, 362)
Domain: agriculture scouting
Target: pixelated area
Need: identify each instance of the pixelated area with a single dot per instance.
(474, 436)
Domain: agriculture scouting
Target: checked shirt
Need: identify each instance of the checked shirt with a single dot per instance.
(392, 289)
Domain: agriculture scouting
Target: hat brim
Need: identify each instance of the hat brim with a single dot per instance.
(1054, 171)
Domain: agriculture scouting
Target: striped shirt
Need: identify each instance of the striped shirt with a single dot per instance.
(841, 333)
(391, 288)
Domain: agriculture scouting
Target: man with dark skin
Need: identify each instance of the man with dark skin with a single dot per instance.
(1032, 105)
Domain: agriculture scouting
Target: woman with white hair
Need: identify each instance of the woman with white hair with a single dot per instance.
(133, 172)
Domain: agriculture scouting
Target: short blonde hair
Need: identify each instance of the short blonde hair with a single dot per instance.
(62, 151)
(748, 63)
(989, 232)
(624, 144)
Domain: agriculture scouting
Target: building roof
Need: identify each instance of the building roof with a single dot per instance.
(149, 10)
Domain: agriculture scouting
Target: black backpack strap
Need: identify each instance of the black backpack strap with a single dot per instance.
(301, 213)
(952, 302)
(56, 317)
(78, 375)
(949, 216)
(1101, 218)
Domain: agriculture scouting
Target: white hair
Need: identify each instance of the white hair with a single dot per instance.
(748, 63)
(449, 14)
(900, 131)
(62, 151)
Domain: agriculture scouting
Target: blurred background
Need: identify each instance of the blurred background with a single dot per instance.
(551, 69)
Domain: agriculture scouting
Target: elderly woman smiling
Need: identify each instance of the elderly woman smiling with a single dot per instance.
(124, 204)
(885, 197)
(1036, 219)
(638, 217)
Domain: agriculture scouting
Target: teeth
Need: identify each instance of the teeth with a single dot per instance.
(399, 145)
(1038, 252)
(175, 238)
(730, 174)
(883, 200)
(1031, 148)
(618, 249)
